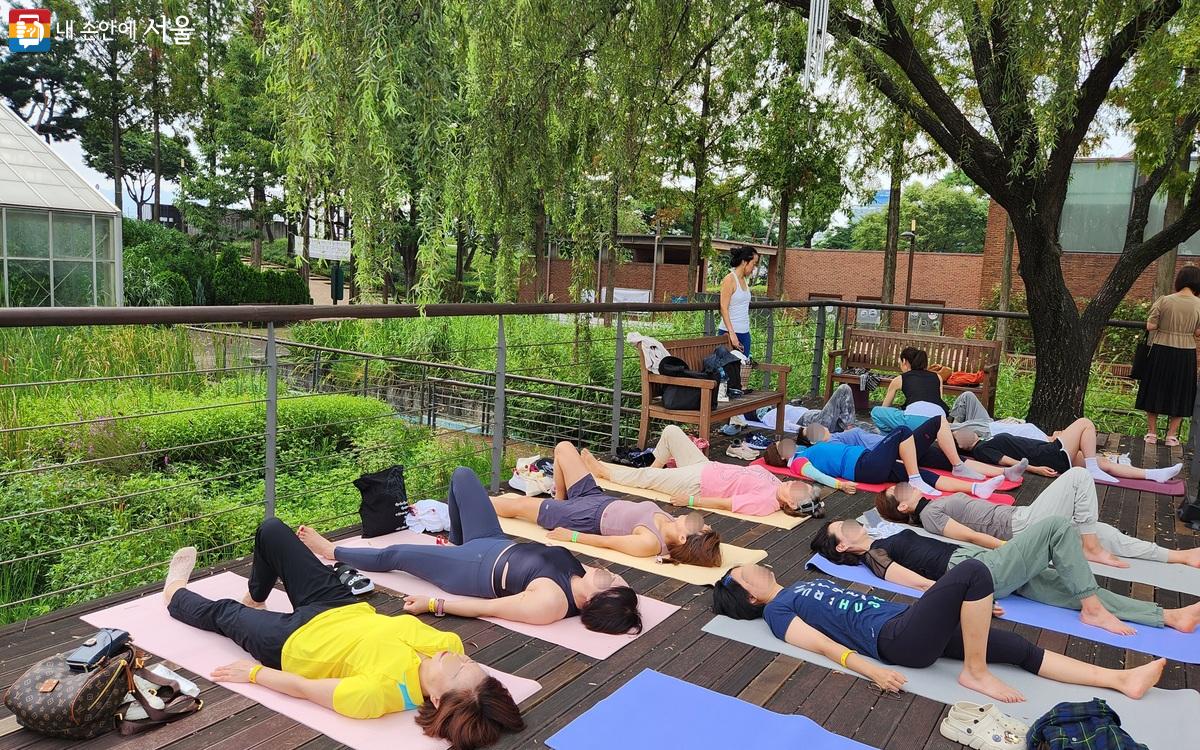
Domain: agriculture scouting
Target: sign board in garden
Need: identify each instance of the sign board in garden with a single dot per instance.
(329, 249)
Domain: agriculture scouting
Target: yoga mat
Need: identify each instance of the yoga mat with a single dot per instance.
(778, 519)
(701, 576)
(1184, 647)
(200, 651)
(568, 633)
(1172, 576)
(1174, 487)
(1154, 720)
(654, 710)
(997, 498)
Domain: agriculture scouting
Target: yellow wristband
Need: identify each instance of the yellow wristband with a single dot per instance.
(845, 656)
(432, 606)
(254, 673)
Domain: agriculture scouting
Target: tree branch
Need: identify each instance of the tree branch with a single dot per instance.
(1143, 194)
(1095, 88)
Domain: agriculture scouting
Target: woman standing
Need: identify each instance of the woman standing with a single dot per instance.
(735, 298)
(1168, 382)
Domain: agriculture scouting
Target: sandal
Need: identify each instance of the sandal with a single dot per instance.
(1151, 438)
(983, 733)
(1172, 441)
(973, 711)
(358, 583)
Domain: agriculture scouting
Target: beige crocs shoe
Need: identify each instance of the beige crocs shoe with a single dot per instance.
(971, 711)
(983, 733)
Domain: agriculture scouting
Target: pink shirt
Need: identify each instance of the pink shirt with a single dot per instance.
(751, 488)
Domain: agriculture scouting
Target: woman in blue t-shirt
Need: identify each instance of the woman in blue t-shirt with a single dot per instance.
(952, 619)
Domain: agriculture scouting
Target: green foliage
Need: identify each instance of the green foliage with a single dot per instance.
(1116, 345)
(164, 266)
(237, 283)
(950, 219)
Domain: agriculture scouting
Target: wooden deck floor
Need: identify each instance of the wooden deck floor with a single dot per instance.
(572, 683)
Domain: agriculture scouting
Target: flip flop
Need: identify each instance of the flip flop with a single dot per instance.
(1151, 438)
(1171, 442)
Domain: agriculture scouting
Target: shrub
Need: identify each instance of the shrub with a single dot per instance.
(237, 283)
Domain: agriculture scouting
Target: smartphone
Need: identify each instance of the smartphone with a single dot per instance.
(872, 518)
(96, 649)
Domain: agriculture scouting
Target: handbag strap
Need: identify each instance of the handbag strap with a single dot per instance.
(179, 706)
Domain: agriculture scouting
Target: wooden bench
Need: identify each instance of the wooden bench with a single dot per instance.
(880, 351)
(693, 352)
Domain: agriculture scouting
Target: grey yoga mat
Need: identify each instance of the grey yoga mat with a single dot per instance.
(1171, 576)
(1154, 720)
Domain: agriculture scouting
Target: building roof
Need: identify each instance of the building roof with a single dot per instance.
(33, 176)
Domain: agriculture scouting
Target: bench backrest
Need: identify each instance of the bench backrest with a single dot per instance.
(880, 350)
(691, 351)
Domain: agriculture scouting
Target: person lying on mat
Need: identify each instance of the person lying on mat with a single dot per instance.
(581, 512)
(918, 384)
(1073, 446)
(526, 582)
(953, 620)
(696, 482)
(837, 414)
(1071, 496)
(892, 458)
(338, 652)
(1020, 566)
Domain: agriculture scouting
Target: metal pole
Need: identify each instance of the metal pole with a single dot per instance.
(818, 352)
(618, 372)
(498, 406)
(912, 249)
(272, 421)
(770, 349)
(709, 328)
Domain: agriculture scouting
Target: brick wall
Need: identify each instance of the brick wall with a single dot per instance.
(668, 280)
(1084, 272)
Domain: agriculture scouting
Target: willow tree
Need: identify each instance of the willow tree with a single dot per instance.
(1011, 92)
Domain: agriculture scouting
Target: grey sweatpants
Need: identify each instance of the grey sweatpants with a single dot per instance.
(837, 414)
(968, 413)
(682, 480)
(1022, 567)
(1073, 496)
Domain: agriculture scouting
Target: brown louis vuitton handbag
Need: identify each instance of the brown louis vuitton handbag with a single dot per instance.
(53, 699)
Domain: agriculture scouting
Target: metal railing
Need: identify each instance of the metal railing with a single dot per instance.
(106, 469)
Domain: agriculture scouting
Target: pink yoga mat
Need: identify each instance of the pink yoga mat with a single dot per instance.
(568, 633)
(996, 498)
(1174, 487)
(201, 652)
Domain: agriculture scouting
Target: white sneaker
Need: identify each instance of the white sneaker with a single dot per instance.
(984, 733)
(738, 420)
(723, 393)
(741, 451)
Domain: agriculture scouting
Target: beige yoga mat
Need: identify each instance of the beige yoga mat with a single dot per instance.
(701, 576)
(778, 519)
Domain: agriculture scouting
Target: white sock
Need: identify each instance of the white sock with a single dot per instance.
(916, 481)
(1163, 475)
(984, 490)
(1093, 467)
(1014, 473)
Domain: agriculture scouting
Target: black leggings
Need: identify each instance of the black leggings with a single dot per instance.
(881, 464)
(278, 555)
(930, 629)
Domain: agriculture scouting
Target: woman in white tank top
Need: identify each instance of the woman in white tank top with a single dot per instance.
(735, 298)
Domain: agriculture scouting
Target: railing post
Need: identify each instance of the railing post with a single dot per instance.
(498, 407)
(316, 373)
(770, 349)
(272, 421)
(618, 372)
(818, 352)
(366, 374)
(709, 326)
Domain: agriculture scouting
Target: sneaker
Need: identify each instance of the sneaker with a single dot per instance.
(729, 430)
(759, 441)
(736, 393)
(741, 451)
(738, 420)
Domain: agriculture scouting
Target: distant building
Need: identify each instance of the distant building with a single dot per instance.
(60, 239)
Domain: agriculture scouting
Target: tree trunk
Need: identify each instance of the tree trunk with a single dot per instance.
(539, 241)
(256, 210)
(611, 283)
(785, 206)
(115, 118)
(1005, 284)
(892, 244)
(700, 162)
(460, 252)
(306, 267)
(155, 103)
(1164, 282)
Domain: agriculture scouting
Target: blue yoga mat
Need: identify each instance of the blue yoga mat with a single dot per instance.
(653, 711)
(1184, 647)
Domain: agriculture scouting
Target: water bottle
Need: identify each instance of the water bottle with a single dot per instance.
(837, 371)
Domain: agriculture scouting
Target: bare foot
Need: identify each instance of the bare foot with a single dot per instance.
(1137, 682)
(988, 684)
(1102, 556)
(1184, 619)
(593, 464)
(249, 602)
(1102, 618)
(183, 562)
(319, 545)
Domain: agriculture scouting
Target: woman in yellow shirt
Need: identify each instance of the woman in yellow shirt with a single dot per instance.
(340, 653)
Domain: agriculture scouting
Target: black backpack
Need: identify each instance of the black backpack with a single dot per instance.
(384, 506)
(680, 397)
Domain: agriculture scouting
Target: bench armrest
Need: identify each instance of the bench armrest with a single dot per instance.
(703, 383)
(770, 367)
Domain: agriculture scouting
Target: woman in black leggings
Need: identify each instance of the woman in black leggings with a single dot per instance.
(952, 619)
(520, 581)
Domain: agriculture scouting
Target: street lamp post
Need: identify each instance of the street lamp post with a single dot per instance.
(912, 248)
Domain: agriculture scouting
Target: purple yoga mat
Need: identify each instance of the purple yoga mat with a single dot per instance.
(1175, 487)
(1184, 647)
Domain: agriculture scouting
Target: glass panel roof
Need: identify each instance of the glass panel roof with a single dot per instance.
(29, 162)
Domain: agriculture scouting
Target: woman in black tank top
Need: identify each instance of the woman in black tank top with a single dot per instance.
(520, 581)
(915, 382)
